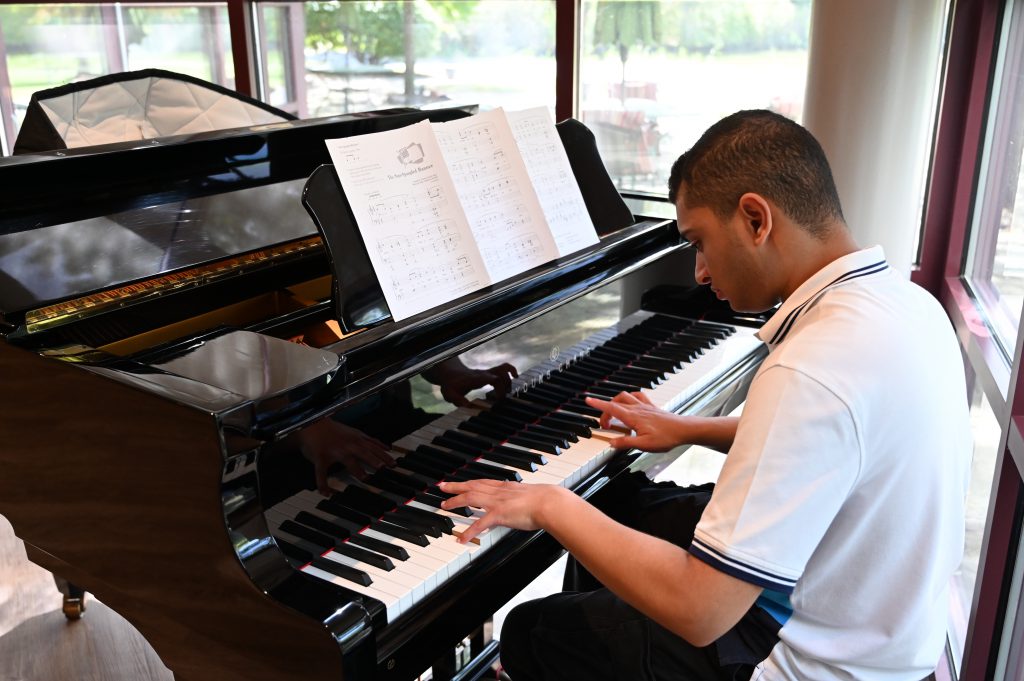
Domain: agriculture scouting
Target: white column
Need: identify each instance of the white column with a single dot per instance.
(870, 101)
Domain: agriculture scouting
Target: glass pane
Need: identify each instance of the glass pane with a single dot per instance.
(985, 427)
(44, 46)
(362, 55)
(655, 74)
(995, 263)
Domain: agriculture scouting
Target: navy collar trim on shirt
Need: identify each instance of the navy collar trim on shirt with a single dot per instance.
(790, 319)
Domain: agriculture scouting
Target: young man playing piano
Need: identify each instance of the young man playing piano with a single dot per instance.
(837, 520)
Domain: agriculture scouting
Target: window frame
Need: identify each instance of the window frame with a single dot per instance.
(952, 202)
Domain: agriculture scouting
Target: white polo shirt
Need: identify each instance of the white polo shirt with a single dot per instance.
(845, 485)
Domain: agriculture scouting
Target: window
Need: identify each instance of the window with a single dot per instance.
(651, 74)
(326, 58)
(995, 261)
(46, 45)
(985, 427)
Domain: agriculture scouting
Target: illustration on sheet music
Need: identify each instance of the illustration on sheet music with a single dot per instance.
(449, 208)
(411, 155)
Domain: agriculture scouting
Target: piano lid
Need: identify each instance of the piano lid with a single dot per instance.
(82, 221)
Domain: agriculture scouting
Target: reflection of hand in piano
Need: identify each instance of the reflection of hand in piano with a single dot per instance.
(457, 384)
(327, 443)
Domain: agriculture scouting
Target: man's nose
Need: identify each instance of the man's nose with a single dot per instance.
(700, 270)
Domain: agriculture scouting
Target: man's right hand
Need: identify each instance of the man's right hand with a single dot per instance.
(656, 430)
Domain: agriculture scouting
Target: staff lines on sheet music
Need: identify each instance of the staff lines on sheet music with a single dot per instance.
(521, 248)
(458, 276)
(501, 190)
(436, 240)
(474, 169)
(407, 207)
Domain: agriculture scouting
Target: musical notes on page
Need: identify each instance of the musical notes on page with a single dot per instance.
(408, 213)
(551, 174)
(492, 181)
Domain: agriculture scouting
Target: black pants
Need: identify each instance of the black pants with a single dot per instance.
(588, 633)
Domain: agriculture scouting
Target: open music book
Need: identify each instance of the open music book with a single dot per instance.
(446, 209)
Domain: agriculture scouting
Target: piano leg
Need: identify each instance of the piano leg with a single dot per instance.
(74, 598)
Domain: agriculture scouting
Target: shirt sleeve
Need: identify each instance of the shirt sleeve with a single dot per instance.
(793, 463)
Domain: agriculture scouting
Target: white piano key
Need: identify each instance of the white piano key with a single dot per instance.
(392, 604)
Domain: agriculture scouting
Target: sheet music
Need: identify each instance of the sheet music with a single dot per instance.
(407, 209)
(552, 177)
(494, 186)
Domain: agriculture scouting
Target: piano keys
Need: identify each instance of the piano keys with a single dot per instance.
(172, 328)
(539, 433)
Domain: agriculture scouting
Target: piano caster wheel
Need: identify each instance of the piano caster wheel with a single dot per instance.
(74, 607)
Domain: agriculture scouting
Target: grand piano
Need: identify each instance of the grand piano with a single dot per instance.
(173, 329)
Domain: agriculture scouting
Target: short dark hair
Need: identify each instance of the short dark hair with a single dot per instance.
(758, 151)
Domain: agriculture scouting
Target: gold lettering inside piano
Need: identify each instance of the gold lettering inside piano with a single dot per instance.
(95, 303)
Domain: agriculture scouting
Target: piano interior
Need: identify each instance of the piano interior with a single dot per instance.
(175, 310)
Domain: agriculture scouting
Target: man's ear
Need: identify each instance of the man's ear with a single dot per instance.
(757, 215)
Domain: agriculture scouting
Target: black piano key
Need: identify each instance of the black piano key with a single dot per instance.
(393, 530)
(470, 444)
(522, 462)
(581, 407)
(613, 354)
(560, 436)
(596, 364)
(412, 524)
(460, 475)
(557, 391)
(378, 546)
(428, 453)
(493, 472)
(501, 418)
(487, 430)
(423, 469)
(340, 510)
(569, 381)
(315, 537)
(583, 419)
(643, 380)
(582, 372)
(525, 402)
(659, 363)
(428, 499)
(364, 556)
(322, 525)
(602, 392)
(438, 522)
(541, 443)
(528, 429)
(386, 484)
(365, 501)
(540, 399)
(555, 421)
(442, 521)
(621, 386)
(294, 552)
(343, 571)
(409, 478)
